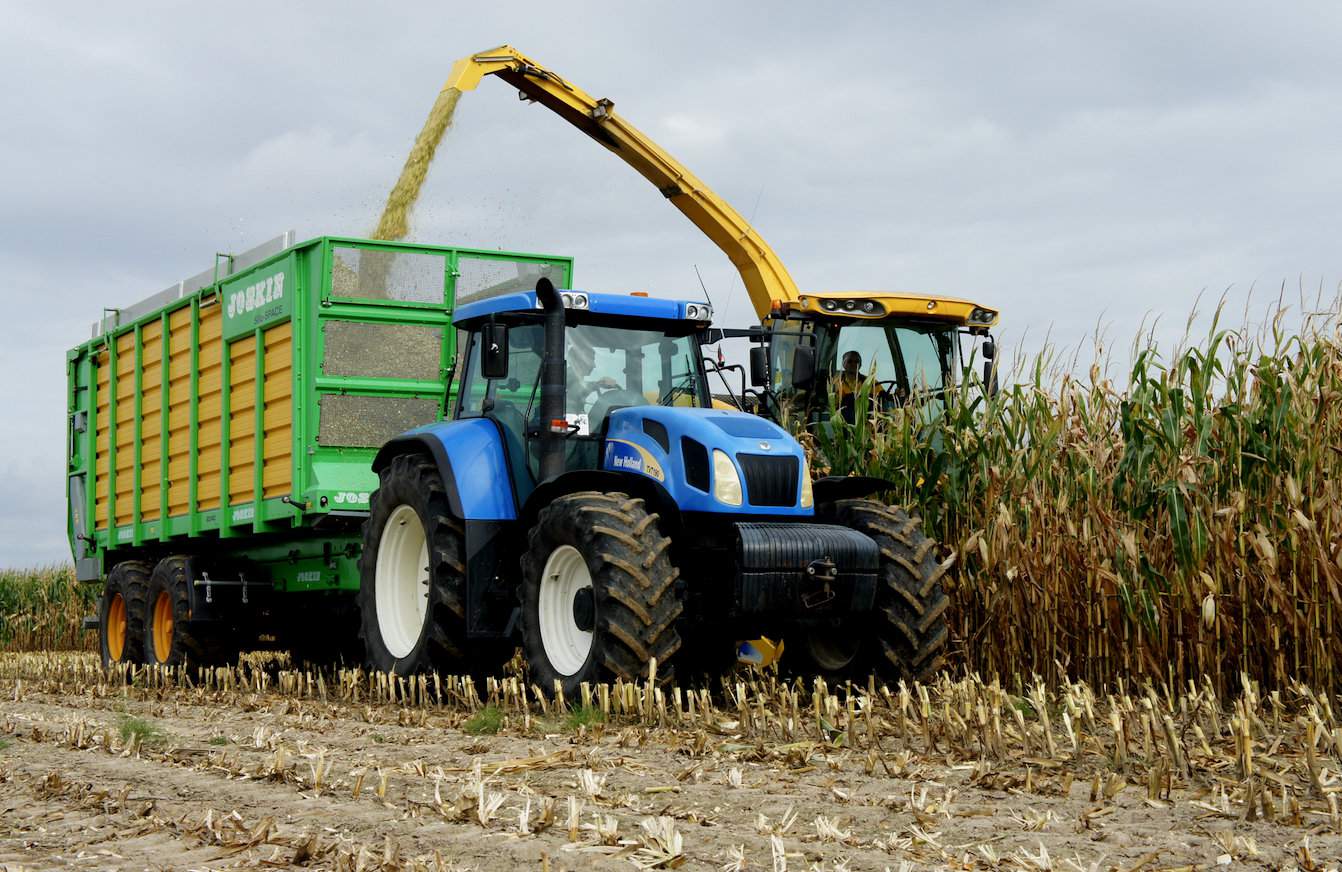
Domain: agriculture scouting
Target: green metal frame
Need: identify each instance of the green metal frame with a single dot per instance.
(278, 531)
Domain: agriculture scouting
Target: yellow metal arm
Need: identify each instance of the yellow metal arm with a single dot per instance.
(766, 279)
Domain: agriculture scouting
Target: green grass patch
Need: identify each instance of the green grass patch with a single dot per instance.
(487, 721)
(218, 740)
(139, 729)
(583, 716)
(4, 744)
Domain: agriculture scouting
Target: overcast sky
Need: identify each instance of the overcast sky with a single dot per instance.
(1068, 163)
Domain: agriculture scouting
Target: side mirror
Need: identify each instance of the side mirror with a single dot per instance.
(803, 367)
(494, 351)
(989, 349)
(759, 366)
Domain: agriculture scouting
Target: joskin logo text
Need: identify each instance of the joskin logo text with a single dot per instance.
(257, 301)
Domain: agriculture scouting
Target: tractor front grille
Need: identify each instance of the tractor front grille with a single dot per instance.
(771, 480)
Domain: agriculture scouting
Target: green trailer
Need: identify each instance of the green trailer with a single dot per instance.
(223, 431)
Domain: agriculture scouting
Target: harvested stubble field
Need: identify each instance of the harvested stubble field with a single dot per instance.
(268, 768)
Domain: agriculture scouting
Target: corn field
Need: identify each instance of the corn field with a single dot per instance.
(42, 610)
(1187, 524)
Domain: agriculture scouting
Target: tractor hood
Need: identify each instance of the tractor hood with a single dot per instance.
(712, 460)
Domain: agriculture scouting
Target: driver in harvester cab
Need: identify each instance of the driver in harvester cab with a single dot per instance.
(849, 380)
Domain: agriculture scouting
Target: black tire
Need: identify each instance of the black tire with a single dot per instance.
(413, 480)
(906, 637)
(129, 581)
(636, 600)
(187, 643)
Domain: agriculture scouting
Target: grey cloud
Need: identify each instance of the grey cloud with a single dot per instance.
(1057, 160)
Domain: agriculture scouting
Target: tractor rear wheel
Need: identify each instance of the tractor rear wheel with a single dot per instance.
(599, 593)
(906, 638)
(170, 637)
(121, 613)
(412, 578)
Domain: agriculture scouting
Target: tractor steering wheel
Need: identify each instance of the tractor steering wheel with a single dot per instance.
(606, 403)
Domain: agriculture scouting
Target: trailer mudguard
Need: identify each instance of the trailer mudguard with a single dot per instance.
(471, 459)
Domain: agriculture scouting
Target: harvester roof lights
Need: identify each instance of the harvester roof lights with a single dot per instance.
(830, 305)
(869, 306)
(850, 305)
(931, 304)
(982, 316)
(698, 312)
(574, 301)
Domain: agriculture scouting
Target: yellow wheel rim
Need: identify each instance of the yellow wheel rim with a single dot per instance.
(162, 627)
(116, 627)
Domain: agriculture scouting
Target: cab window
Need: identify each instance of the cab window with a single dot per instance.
(926, 355)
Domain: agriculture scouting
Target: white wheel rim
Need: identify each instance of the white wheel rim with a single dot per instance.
(401, 584)
(566, 645)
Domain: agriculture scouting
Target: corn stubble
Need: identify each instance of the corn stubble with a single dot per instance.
(1228, 761)
(1187, 525)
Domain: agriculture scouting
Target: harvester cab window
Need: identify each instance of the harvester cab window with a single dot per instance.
(866, 346)
(927, 357)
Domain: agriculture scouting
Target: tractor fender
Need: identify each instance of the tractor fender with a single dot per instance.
(605, 481)
(832, 488)
(475, 447)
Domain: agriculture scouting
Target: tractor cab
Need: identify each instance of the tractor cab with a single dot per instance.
(610, 363)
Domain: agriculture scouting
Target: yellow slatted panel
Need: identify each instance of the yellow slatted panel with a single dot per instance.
(125, 427)
(208, 410)
(241, 420)
(179, 411)
(277, 417)
(151, 419)
(102, 439)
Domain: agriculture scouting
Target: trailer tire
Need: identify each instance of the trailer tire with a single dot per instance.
(609, 544)
(170, 636)
(409, 511)
(121, 613)
(907, 635)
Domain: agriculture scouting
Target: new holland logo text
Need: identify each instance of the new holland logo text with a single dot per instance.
(264, 292)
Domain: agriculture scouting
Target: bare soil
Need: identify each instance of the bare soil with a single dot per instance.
(95, 779)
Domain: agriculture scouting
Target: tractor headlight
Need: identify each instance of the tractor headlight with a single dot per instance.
(726, 483)
(807, 496)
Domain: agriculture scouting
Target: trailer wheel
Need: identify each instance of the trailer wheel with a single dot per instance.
(170, 639)
(412, 578)
(599, 593)
(121, 613)
(906, 638)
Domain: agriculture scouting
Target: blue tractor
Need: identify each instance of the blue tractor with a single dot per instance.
(587, 498)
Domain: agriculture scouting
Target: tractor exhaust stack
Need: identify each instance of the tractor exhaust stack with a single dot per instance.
(554, 423)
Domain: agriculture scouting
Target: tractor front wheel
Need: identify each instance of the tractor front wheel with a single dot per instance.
(906, 636)
(121, 613)
(599, 593)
